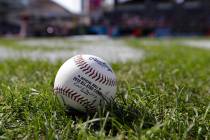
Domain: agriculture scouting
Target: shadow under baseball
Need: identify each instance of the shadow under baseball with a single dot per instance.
(115, 117)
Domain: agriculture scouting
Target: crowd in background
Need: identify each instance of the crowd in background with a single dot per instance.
(157, 23)
(117, 23)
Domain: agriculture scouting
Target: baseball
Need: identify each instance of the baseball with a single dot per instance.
(85, 82)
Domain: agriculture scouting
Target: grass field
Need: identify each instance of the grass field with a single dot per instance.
(164, 96)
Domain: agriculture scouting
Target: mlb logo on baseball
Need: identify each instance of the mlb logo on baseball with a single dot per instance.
(85, 82)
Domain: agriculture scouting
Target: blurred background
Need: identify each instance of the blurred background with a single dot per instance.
(115, 18)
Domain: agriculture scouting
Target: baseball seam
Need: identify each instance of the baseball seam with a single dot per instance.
(92, 73)
(75, 97)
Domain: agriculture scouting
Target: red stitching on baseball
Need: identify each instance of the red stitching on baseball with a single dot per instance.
(99, 75)
(95, 75)
(83, 100)
(102, 78)
(67, 90)
(92, 73)
(85, 67)
(107, 81)
(79, 60)
(76, 97)
(89, 71)
(80, 64)
(80, 99)
(72, 95)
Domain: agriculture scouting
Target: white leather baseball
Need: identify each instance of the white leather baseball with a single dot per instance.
(84, 82)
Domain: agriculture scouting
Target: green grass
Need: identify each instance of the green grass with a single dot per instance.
(164, 96)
